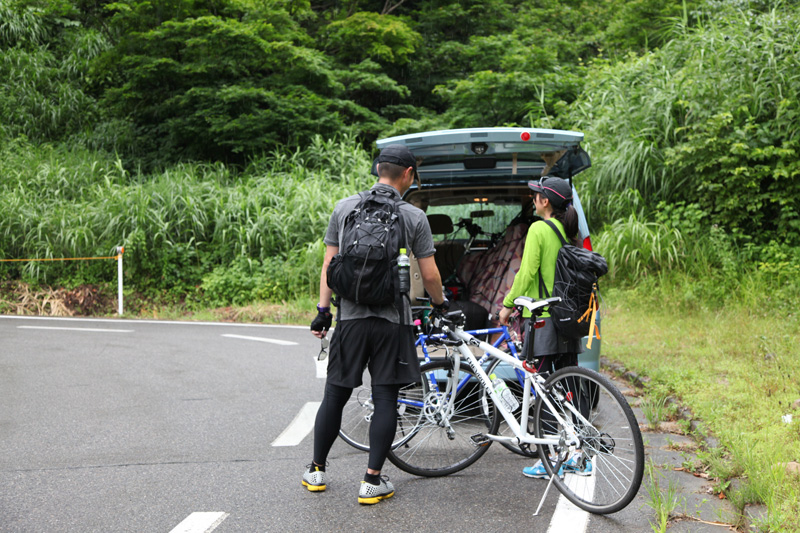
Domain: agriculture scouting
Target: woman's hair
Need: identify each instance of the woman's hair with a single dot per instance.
(569, 218)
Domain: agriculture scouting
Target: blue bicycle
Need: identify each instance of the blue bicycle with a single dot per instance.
(357, 414)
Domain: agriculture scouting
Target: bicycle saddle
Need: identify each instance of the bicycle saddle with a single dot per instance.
(533, 305)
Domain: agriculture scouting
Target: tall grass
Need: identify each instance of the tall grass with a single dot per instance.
(44, 61)
(21, 26)
(635, 248)
(178, 225)
(733, 365)
(712, 117)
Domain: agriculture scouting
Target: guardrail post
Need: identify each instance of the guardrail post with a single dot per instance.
(120, 251)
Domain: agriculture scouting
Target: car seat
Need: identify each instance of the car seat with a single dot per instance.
(448, 252)
(489, 275)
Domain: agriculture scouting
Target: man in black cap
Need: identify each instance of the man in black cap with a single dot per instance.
(380, 338)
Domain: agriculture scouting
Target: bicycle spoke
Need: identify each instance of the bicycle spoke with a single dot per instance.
(591, 407)
(442, 442)
(357, 415)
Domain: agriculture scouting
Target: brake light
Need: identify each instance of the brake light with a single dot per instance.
(538, 324)
(587, 244)
(525, 136)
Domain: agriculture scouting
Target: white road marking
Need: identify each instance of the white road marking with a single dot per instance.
(301, 426)
(322, 368)
(568, 518)
(138, 321)
(261, 339)
(78, 329)
(200, 523)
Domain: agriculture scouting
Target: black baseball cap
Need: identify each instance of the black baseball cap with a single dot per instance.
(398, 154)
(557, 190)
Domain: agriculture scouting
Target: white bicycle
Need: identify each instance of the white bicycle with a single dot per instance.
(582, 427)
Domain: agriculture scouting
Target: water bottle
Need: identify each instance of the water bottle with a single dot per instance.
(510, 401)
(404, 269)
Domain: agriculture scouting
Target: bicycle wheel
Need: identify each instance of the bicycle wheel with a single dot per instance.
(604, 475)
(508, 373)
(357, 415)
(442, 442)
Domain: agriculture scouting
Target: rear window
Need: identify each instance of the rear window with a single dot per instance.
(491, 218)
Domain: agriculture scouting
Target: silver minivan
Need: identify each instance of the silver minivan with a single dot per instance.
(473, 185)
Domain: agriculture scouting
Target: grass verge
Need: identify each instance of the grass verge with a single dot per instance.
(735, 367)
(17, 298)
(663, 500)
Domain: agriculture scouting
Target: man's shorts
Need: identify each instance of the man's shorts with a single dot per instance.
(387, 349)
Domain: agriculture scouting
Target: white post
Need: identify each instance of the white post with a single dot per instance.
(120, 251)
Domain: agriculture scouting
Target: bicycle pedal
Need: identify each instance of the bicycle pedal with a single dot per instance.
(479, 439)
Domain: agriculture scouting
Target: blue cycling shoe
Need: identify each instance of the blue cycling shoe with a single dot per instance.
(537, 471)
(570, 466)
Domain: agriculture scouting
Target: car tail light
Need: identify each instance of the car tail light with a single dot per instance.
(587, 244)
(525, 136)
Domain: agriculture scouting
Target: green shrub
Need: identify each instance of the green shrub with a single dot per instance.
(710, 119)
(635, 248)
(244, 281)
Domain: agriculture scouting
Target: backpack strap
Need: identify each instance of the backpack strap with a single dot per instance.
(542, 286)
(403, 242)
(399, 301)
(388, 199)
(560, 237)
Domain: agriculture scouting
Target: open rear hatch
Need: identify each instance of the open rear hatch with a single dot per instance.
(492, 156)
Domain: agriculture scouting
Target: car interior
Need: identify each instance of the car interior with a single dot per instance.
(479, 241)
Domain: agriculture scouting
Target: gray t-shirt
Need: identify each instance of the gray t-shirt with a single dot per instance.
(418, 239)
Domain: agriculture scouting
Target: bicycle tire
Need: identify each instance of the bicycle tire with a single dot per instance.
(434, 450)
(611, 441)
(357, 416)
(501, 368)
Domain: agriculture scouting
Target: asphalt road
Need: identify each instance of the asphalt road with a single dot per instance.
(141, 426)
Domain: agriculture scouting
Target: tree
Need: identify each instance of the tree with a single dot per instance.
(212, 88)
(384, 39)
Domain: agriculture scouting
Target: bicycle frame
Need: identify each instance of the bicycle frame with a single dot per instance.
(421, 342)
(505, 337)
(534, 380)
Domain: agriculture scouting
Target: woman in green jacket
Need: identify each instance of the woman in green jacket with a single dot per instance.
(552, 201)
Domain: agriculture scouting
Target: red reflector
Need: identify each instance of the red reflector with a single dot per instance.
(525, 136)
(538, 324)
(587, 244)
(569, 396)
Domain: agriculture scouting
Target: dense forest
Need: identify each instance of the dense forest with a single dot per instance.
(227, 80)
(212, 137)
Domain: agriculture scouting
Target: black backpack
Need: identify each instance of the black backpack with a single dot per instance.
(577, 270)
(365, 269)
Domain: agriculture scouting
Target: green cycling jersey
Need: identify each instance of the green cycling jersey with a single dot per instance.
(541, 250)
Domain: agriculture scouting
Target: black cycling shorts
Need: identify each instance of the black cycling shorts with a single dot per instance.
(387, 349)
